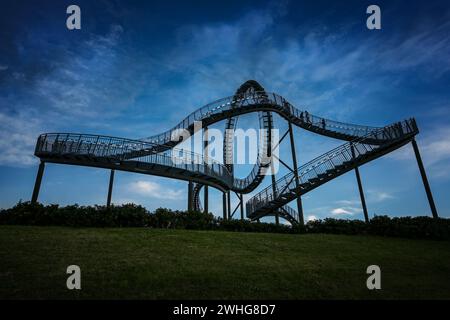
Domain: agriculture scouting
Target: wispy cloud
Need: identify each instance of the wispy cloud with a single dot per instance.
(345, 211)
(92, 83)
(379, 196)
(154, 190)
(345, 208)
(434, 149)
(348, 202)
(17, 139)
(83, 89)
(103, 78)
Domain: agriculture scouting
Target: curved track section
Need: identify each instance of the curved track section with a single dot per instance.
(254, 101)
(113, 153)
(265, 123)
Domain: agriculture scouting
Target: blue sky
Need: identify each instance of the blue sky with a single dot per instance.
(136, 68)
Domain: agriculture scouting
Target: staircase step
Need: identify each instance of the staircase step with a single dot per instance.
(323, 175)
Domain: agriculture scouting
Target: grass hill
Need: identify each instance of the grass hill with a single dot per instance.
(143, 263)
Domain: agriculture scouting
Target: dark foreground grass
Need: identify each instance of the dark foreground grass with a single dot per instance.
(181, 264)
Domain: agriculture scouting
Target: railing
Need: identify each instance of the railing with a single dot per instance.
(291, 212)
(153, 151)
(116, 148)
(249, 100)
(197, 202)
(261, 161)
(322, 165)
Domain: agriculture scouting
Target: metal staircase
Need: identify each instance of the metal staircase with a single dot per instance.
(327, 167)
(197, 203)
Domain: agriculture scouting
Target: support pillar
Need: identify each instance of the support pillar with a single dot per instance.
(297, 181)
(190, 196)
(37, 184)
(228, 205)
(206, 209)
(224, 205)
(361, 195)
(242, 206)
(360, 188)
(111, 182)
(424, 179)
(274, 191)
(205, 156)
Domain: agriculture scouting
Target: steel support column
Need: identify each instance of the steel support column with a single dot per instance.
(37, 184)
(274, 191)
(228, 204)
(297, 181)
(361, 195)
(205, 156)
(190, 196)
(242, 206)
(360, 188)
(224, 205)
(206, 209)
(424, 179)
(111, 182)
(271, 148)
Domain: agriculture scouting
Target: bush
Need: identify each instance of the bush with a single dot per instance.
(406, 227)
(166, 218)
(410, 227)
(131, 215)
(127, 215)
(336, 226)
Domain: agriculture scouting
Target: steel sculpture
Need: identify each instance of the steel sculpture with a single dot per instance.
(154, 155)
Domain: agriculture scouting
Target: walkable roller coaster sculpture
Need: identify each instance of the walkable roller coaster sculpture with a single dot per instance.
(154, 155)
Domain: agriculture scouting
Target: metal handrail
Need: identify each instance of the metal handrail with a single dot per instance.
(320, 165)
(128, 149)
(258, 98)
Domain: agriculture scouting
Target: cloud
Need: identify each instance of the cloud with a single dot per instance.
(17, 139)
(318, 70)
(348, 202)
(425, 48)
(103, 78)
(311, 218)
(91, 83)
(155, 190)
(87, 88)
(380, 196)
(3, 68)
(434, 149)
(345, 211)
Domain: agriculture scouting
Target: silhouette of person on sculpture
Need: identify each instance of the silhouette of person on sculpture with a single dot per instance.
(400, 128)
(307, 117)
(323, 124)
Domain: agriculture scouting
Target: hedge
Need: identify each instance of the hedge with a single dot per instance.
(131, 215)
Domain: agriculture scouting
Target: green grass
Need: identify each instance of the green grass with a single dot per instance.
(181, 264)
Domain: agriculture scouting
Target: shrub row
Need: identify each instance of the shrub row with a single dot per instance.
(406, 227)
(131, 215)
(128, 215)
